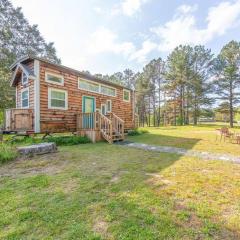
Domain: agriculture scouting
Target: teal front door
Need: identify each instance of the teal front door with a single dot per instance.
(88, 108)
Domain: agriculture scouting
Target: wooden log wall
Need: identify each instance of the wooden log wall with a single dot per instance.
(122, 109)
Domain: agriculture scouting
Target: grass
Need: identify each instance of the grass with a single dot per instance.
(202, 138)
(7, 153)
(102, 191)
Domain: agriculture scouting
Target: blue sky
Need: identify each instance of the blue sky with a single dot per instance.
(111, 35)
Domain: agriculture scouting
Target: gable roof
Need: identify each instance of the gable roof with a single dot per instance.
(22, 68)
(87, 76)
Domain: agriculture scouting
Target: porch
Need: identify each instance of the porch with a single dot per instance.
(18, 120)
(98, 126)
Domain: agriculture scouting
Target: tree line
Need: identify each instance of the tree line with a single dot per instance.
(186, 85)
(18, 38)
(177, 90)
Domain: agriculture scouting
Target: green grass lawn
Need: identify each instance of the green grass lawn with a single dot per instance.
(102, 191)
(201, 138)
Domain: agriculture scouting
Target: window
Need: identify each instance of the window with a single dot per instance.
(24, 78)
(109, 105)
(54, 78)
(57, 99)
(108, 91)
(103, 109)
(88, 86)
(126, 95)
(25, 98)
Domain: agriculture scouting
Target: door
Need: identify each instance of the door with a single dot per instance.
(89, 109)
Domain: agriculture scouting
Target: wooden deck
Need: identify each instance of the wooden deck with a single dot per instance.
(98, 126)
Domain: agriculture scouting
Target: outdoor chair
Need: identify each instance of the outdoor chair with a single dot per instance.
(225, 134)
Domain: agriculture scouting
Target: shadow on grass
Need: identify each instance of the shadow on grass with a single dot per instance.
(102, 192)
(165, 140)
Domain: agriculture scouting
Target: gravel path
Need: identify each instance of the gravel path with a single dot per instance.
(182, 151)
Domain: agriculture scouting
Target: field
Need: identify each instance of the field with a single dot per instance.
(102, 191)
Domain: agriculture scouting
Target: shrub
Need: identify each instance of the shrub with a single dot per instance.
(67, 140)
(7, 153)
(137, 132)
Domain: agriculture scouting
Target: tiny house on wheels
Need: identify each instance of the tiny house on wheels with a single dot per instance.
(54, 98)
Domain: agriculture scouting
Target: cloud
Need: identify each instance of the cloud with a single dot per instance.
(128, 7)
(104, 40)
(141, 54)
(183, 29)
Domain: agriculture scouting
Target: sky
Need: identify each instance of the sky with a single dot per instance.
(108, 36)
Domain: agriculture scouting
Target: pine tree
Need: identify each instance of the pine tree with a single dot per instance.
(227, 76)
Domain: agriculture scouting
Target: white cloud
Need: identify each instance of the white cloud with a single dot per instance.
(128, 7)
(104, 40)
(183, 29)
(141, 54)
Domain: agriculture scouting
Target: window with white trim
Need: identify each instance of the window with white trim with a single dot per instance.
(25, 98)
(54, 78)
(57, 99)
(103, 109)
(91, 86)
(108, 91)
(109, 106)
(24, 78)
(88, 86)
(126, 95)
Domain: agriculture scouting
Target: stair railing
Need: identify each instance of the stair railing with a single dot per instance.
(106, 127)
(118, 125)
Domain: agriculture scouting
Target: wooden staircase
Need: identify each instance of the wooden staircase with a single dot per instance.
(111, 127)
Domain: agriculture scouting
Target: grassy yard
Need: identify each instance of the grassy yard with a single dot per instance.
(102, 191)
(202, 137)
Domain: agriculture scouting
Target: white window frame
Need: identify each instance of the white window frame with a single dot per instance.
(50, 95)
(108, 111)
(125, 90)
(85, 80)
(23, 90)
(99, 87)
(103, 85)
(24, 83)
(55, 75)
(105, 105)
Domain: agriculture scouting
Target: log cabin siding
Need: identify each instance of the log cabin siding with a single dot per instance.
(121, 108)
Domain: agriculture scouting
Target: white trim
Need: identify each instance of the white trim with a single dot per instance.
(24, 83)
(109, 100)
(108, 87)
(100, 85)
(16, 96)
(125, 90)
(24, 90)
(54, 75)
(37, 127)
(49, 98)
(105, 105)
(91, 82)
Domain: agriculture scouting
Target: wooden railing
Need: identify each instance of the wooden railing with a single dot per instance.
(110, 126)
(106, 127)
(118, 125)
(87, 121)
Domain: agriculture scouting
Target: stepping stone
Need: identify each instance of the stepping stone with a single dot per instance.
(37, 149)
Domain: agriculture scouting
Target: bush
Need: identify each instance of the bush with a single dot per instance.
(137, 132)
(7, 153)
(67, 140)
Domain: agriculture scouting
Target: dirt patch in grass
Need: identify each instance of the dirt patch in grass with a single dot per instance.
(32, 166)
(158, 180)
(100, 226)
